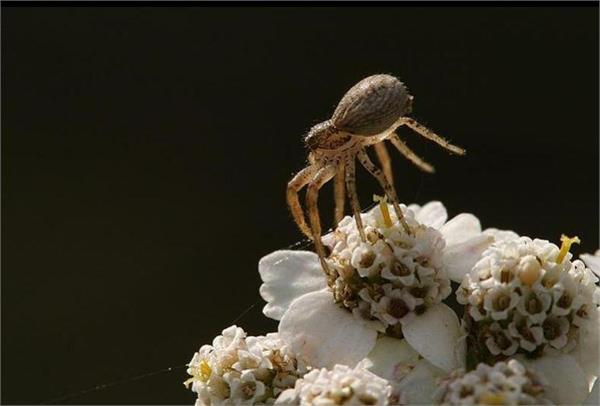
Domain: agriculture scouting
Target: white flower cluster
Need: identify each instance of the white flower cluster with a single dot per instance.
(340, 386)
(390, 277)
(527, 295)
(531, 316)
(237, 369)
(503, 384)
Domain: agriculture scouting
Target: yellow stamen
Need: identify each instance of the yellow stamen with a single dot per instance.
(385, 212)
(566, 246)
(492, 399)
(200, 373)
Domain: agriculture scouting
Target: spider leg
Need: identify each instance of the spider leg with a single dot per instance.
(353, 196)
(389, 189)
(300, 180)
(339, 191)
(409, 154)
(385, 161)
(430, 135)
(312, 196)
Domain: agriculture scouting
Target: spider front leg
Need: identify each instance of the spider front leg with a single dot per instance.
(385, 161)
(430, 135)
(387, 187)
(312, 196)
(300, 180)
(339, 192)
(410, 155)
(353, 196)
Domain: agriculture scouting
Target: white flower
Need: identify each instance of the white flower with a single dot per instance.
(530, 279)
(393, 276)
(506, 383)
(237, 369)
(529, 297)
(341, 385)
(394, 283)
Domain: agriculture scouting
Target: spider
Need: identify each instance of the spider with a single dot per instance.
(367, 115)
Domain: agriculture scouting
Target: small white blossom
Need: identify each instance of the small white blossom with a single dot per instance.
(503, 384)
(242, 370)
(339, 386)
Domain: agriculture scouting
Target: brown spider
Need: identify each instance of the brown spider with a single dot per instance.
(368, 114)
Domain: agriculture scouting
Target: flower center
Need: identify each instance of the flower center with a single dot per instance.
(502, 341)
(502, 302)
(551, 329)
(506, 276)
(399, 269)
(565, 301)
(582, 312)
(398, 308)
(526, 333)
(419, 292)
(367, 259)
(534, 305)
(248, 390)
(200, 373)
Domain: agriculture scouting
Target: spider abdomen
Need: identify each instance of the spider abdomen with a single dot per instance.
(372, 105)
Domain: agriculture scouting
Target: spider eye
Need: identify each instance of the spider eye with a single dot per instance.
(311, 140)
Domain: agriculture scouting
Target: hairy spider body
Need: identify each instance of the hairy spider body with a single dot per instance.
(367, 115)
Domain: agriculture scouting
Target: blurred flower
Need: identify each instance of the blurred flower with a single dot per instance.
(339, 386)
(505, 383)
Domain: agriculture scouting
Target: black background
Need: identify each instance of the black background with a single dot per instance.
(146, 151)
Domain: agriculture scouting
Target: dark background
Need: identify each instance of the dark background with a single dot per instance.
(146, 152)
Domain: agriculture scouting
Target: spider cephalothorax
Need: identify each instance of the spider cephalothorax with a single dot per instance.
(367, 115)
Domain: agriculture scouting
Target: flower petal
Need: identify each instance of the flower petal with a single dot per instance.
(389, 356)
(592, 262)
(587, 351)
(501, 235)
(323, 334)
(460, 229)
(414, 208)
(286, 276)
(418, 387)
(460, 258)
(433, 214)
(438, 337)
(566, 380)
